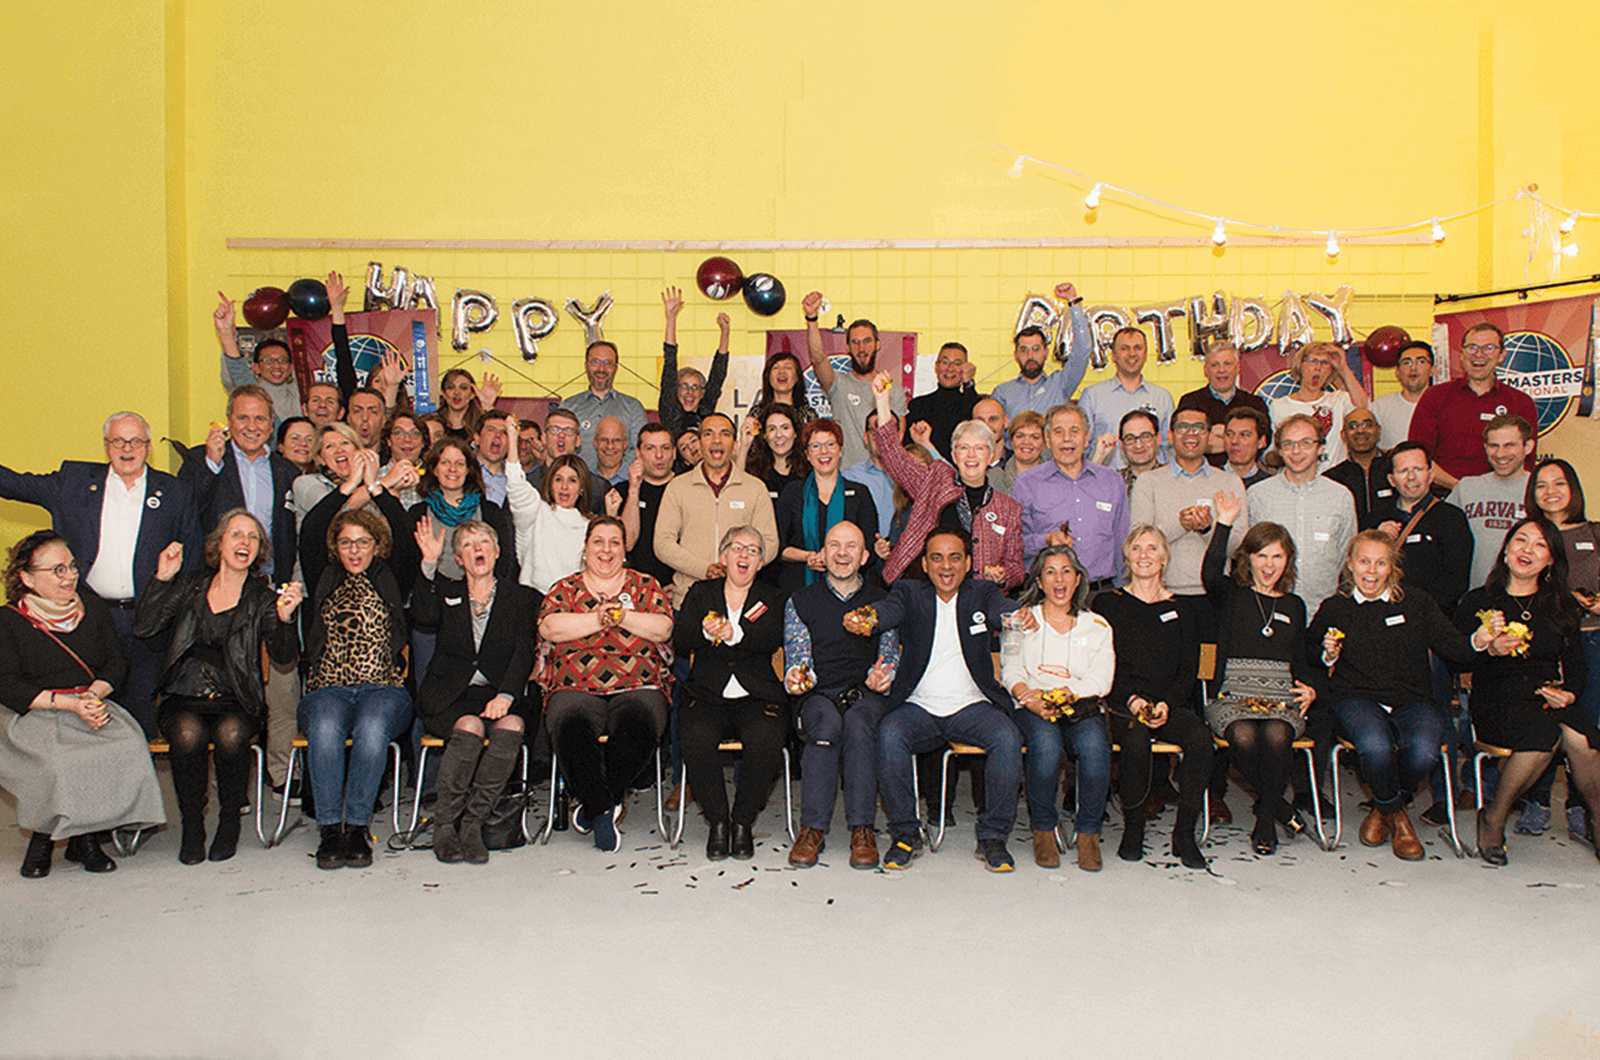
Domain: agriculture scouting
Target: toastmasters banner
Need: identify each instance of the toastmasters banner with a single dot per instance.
(1548, 352)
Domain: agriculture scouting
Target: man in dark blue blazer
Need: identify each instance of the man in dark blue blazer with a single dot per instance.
(238, 469)
(945, 690)
(117, 517)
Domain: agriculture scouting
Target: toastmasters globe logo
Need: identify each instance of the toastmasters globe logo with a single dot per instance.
(1537, 365)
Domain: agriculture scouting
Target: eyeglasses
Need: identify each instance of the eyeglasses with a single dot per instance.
(60, 570)
(1188, 428)
(600, 364)
(127, 443)
(692, 387)
(400, 432)
(355, 544)
(1299, 443)
(1490, 347)
(560, 431)
(1138, 439)
(744, 550)
(273, 360)
(823, 447)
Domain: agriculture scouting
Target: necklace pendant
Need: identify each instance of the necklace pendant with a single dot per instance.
(1266, 630)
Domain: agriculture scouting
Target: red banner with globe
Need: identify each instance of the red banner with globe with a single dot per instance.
(412, 333)
(1548, 352)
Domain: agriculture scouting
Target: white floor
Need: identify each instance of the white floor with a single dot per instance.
(564, 951)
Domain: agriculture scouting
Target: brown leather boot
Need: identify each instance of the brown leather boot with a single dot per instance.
(1375, 829)
(1088, 852)
(1407, 846)
(804, 853)
(863, 848)
(1046, 852)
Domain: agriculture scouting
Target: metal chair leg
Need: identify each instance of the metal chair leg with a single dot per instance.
(661, 800)
(944, 785)
(1316, 799)
(1338, 808)
(288, 785)
(788, 799)
(394, 751)
(683, 808)
(261, 785)
(1450, 803)
(527, 836)
(416, 798)
(550, 817)
(1205, 814)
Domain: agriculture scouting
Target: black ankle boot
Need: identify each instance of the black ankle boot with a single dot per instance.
(192, 848)
(717, 842)
(226, 842)
(330, 851)
(36, 862)
(85, 850)
(743, 845)
(1132, 846)
(1264, 836)
(357, 850)
(1186, 850)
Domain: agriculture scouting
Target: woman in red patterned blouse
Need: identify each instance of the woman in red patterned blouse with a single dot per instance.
(606, 671)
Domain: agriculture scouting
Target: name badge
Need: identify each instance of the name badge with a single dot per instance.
(452, 601)
(1583, 546)
(1485, 415)
(1284, 619)
(755, 612)
(1170, 616)
(1104, 506)
(736, 505)
(979, 622)
(1077, 640)
(1414, 539)
(979, 628)
(1395, 620)
(1318, 535)
(997, 528)
(855, 399)
(152, 502)
(1386, 493)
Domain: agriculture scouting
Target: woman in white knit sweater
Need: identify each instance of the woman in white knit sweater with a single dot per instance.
(551, 521)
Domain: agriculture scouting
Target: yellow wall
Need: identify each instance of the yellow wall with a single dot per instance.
(136, 146)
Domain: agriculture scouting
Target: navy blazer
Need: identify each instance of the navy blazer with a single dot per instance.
(74, 496)
(222, 492)
(912, 608)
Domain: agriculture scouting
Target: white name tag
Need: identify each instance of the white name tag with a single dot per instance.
(736, 505)
(1583, 546)
(1485, 415)
(1395, 620)
(1104, 506)
(1170, 616)
(997, 528)
(1386, 493)
(1413, 539)
(1318, 535)
(1284, 619)
(452, 601)
(979, 628)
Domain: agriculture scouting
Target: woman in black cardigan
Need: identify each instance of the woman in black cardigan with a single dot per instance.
(1265, 680)
(211, 689)
(485, 625)
(1526, 701)
(1374, 639)
(810, 507)
(1158, 656)
(732, 626)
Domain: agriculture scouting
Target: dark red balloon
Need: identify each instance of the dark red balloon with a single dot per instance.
(719, 278)
(266, 308)
(1383, 346)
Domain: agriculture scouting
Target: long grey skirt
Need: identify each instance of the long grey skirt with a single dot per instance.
(70, 779)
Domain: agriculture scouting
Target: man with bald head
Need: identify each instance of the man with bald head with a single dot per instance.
(117, 517)
(610, 445)
(841, 680)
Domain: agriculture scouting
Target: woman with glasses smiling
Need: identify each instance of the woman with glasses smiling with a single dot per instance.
(808, 509)
(686, 394)
(355, 636)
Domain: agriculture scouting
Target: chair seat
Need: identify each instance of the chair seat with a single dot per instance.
(1298, 745)
(1491, 749)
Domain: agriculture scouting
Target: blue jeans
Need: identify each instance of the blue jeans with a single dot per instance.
(1091, 746)
(1396, 749)
(833, 739)
(369, 716)
(909, 730)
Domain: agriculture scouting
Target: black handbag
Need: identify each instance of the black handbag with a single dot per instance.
(502, 830)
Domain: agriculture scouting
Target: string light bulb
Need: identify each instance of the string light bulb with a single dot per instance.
(1091, 201)
(1570, 223)
(1219, 234)
(1015, 172)
(1438, 231)
(1570, 250)
(1332, 249)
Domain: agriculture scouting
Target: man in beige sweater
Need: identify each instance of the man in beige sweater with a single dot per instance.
(704, 503)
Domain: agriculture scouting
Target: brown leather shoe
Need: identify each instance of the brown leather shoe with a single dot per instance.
(863, 848)
(1046, 852)
(1154, 806)
(673, 796)
(804, 853)
(1220, 814)
(1375, 829)
(1088, 852)
(1407, 846)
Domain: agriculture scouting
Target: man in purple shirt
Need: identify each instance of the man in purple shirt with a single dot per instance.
(1071, 501)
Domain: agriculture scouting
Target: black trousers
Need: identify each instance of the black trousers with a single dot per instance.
(761, 727)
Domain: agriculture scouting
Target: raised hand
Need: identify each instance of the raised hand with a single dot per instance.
(812, 303)
(337, 291)
(224, 316)
(169, 562)
(716, 570)
(635, 476)
(725, 325)
(672, 302)
(921, 433)
(882, 547)
(217, 442)
(488, 391)
(613, 502)
(1066, 292)
(1228, 505)
(1103, 446)
(289, 598)
(429, 544)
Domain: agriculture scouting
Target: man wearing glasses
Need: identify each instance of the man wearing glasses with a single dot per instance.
(1450, 417)
(561, 437)
(117, 518)
(1319, 514)
(1177, 500)
(601, 400)
(952, 401)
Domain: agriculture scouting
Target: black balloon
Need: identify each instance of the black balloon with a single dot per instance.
(308, 299)
(763, 293)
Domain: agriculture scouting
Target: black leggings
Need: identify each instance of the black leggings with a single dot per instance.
(632, 722)
(189, 732)
(1184, 728)
(1264, 752)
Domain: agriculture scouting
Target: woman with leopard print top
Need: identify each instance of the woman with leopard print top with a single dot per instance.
(356, 631)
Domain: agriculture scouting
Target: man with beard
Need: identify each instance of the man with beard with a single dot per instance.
(1032, 390)
(951, 401)
(602, 399)
(850, 392)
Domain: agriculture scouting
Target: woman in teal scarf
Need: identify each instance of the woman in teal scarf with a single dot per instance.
(809, 508)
